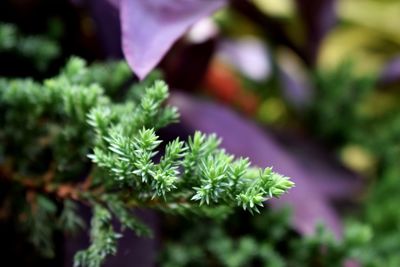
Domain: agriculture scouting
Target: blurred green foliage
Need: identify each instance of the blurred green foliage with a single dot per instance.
(267, 240)
(41, 50)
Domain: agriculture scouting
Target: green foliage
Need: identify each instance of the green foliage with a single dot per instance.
(36, 224)
(103, 238)
(39, 49)
(338, 100)
(267, 240)
(347, 110)
(70, 140)
(68, 221)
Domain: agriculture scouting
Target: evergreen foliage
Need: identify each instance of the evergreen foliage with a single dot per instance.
(72, 138)
(266, 241)
(367, 120)
(39, 49)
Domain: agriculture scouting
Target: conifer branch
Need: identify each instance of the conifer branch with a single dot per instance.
(102, 152)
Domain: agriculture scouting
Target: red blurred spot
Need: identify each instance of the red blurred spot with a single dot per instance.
(223, 83)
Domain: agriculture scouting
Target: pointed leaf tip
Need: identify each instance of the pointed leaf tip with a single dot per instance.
(151, 27)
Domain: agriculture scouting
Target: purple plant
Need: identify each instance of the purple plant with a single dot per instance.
(151, 27)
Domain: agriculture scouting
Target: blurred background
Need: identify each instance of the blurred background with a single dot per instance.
(311, 87)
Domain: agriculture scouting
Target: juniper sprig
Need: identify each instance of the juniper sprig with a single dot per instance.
(70, 140)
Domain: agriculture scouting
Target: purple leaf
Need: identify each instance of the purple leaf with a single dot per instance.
(151, 27)
(331, 178)
(243, 138)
